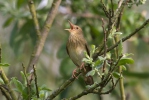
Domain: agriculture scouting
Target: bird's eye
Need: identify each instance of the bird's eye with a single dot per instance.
(77, 28)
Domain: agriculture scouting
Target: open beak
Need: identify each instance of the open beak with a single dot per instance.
(71, 26)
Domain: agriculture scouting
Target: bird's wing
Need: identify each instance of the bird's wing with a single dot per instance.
(87, 49)
(67, 51)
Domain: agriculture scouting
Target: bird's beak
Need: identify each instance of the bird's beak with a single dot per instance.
(71, 26)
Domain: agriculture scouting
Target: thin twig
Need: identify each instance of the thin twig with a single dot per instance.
(112, 20)
(109, 15)
(104, 8)
(109, 91)
(118, 11)
(120, 15)
(36, 84)
(112, 11)
(90, 90)
(119, 3)
(125, 38)
(46, 28)
(105, 47)
(114, 68)
(28, 83)
(62, 87)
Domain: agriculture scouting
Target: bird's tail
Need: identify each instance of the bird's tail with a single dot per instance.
(89, 80)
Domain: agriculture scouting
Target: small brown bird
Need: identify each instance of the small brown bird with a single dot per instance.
(76, 46)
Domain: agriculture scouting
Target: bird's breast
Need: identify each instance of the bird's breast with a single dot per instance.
(77, 54)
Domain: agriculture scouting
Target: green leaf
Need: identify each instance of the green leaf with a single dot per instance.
(108, 55)
(43, 87)
(118, 33)
(88, 61)
(1, 81)
(116, 74)
(113, 33)
(127, 54)
(90, 86)
(84, 59)
(4, 65)
(25, 93)
(92, 49)
(90, 73)
(23, 76)
(8, 22)
(99, 66)
(123, 67)
(20, 3)
(18, 84)
(124, 61)
(142, 1)
(97, 63)
(47, 89)
(101, 58)
(120, 48)
(41, 95)
(86, 55)
(113, 30)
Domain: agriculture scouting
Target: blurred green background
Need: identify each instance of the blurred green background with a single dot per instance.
(18, 37)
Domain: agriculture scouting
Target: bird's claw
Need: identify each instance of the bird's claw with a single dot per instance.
(82, 67)
(73, 74)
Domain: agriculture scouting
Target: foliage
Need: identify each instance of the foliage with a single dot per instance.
(87, 14)
(25, 93)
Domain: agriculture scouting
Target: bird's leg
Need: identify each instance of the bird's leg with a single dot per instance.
(82, 67)
(74, 72)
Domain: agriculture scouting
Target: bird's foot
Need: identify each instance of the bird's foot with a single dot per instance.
(82, 67)
(74, 73)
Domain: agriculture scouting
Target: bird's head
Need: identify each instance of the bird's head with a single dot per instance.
(74, 29)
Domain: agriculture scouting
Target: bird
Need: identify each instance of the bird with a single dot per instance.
(76, 46)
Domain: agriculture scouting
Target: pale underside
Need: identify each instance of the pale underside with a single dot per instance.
(76, 55)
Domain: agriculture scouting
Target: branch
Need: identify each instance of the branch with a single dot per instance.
(46, 28)
(105, 47)
(34, 16)
(5, 92)
(109, 91)
(62, 87)
(112, 20)
(118, 11)
(6, 81)
(102, 84)
(119, 17)
(104, 8)
(116, 38)
(125, 38)
(121, 86)
(28, 83)
(36, 84)
(90, 90)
